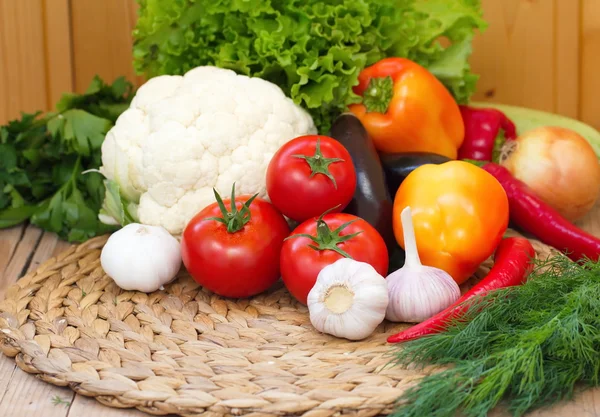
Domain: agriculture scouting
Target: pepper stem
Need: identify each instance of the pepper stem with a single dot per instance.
(378, 95)
(327, 239)
(412, 258)
(235, 220)
(319, 164)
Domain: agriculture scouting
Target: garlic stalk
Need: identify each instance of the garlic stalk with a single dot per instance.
(348, 300)
(141, 257)
(416, 291)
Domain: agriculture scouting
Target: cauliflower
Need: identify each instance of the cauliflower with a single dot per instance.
(182, 136)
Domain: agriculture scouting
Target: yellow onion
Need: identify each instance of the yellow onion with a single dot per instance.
(559, 165)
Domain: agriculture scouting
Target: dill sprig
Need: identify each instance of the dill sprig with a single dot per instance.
(56, 400)
(524, 347)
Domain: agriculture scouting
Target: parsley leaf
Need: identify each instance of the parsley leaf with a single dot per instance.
(15, 215)
(80, 130)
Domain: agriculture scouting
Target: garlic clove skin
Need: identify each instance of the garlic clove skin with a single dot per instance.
(418, 293)
(348, 300)
(141, 257)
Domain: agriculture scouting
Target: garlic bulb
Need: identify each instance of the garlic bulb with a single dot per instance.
(417, 292)
(348, 300)
(141, 258)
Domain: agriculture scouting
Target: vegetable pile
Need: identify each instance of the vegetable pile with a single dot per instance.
(372, 190)
(357, 172)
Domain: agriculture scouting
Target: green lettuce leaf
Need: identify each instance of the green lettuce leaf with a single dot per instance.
(452, 69)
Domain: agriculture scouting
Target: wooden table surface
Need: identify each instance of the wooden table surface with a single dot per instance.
(23, 248)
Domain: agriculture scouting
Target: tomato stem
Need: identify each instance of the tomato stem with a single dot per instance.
(328, 239)
(378, 95)
(319, 164)
(235, 220)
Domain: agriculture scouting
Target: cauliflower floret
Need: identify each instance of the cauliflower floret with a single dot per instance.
(185, 135)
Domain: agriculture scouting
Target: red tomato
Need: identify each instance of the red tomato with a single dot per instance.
(309, 175)
(301, 264)
(235, 263)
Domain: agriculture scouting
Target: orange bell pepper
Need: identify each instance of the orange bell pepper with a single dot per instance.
(460, 213)
(405, 108)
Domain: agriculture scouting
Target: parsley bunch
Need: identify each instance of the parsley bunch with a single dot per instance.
(526, 347)
(45, 162)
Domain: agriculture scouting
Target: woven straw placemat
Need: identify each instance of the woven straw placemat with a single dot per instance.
(186, 351)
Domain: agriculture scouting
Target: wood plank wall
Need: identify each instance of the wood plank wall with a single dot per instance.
(543, 54)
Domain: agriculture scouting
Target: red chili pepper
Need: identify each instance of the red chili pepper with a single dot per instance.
(511, 267)
(482, 127)
(532, 215)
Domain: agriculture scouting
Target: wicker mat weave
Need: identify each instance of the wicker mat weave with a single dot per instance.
(188, 352)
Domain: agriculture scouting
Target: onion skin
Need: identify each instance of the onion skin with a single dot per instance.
(560, 166)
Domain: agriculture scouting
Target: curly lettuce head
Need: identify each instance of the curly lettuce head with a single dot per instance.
(313, 49)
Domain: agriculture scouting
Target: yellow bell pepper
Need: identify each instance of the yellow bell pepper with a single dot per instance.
(460, 213)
